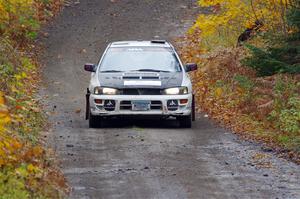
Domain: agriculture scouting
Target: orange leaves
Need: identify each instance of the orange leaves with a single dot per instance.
(13, 152)
(9, 148)
(4, 114)
(2, 100)
(232, 94)
(33, 153)
(22, 159)
(29, 164)
(32, 169)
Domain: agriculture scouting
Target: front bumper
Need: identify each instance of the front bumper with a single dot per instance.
(162, 110)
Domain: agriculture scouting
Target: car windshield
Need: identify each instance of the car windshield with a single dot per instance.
(155, 59)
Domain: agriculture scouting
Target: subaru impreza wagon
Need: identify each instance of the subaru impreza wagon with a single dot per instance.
(140, 78)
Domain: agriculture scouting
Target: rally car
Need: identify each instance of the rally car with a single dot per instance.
(140, 78)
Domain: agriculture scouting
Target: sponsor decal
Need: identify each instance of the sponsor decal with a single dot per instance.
(142, 83)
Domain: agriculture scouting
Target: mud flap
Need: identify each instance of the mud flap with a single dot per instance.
(193, 109)
(87, 108)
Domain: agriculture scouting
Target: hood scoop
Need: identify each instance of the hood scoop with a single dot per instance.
(149, 77)
(137, 75)
(131, 77)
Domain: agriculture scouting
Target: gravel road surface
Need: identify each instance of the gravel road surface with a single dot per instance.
(141, 158)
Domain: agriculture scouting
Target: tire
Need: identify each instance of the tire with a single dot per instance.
(185, 121)
(95, 121)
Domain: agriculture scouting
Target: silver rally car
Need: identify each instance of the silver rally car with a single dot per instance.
(140, 78)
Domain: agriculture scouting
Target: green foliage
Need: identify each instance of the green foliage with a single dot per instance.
(289, 118)
(293, 16)
(280, 57)
(274, 60)
(244, 82)
(12, 186)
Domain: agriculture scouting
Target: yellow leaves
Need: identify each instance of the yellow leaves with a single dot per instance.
(207, 3)
(8, 8)
(20, 76)
(14, 6)
(37, 151)
(3, 14)
(2, 100)
(22, 172)
(32, 169)
(20, 118)
(228, 19)
(13, 152)
(4, 114)
(218, 92)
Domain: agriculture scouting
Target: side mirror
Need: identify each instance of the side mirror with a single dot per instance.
(90, 67)
(190, 67)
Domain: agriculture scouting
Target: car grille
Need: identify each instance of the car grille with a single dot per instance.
(140, 91)
(127, 105)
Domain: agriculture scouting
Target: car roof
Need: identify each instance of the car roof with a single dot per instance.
(153, 43)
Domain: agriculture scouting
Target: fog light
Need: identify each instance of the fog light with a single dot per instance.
(109, 105)
(172, 105)
(183, 101)
(98, 101)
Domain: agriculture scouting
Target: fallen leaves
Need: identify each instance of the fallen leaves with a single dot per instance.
(83, 51)
(232, 95)
(4, 113)
(24, 162)
(261, 160)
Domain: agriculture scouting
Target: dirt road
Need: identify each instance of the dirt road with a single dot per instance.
(144, 159)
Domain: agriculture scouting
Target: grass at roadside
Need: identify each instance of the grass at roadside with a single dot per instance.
(27, 170)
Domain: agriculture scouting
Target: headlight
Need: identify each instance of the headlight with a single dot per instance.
(105, 91)
(176, 91)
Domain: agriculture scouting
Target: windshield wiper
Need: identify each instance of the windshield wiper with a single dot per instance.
(111, 71)
(153, 70)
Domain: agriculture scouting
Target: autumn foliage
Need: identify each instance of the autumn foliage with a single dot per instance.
(26, 168)
(230, 88)
(224, 21)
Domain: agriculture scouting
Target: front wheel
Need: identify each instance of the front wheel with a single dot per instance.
(95, 121)
(185, 121)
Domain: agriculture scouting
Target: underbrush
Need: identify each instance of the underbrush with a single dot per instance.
(265, 109)
(248, 77)
(27, 169)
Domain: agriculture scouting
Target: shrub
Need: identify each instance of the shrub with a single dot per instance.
(274, 60)
(25, 169)
(284, 54)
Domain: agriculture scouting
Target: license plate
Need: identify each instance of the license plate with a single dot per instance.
(141, 105)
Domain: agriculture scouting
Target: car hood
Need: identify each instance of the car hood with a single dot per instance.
(141, 79)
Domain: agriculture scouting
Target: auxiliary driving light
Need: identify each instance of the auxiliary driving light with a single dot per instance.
(183, 101)
(98, 101)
